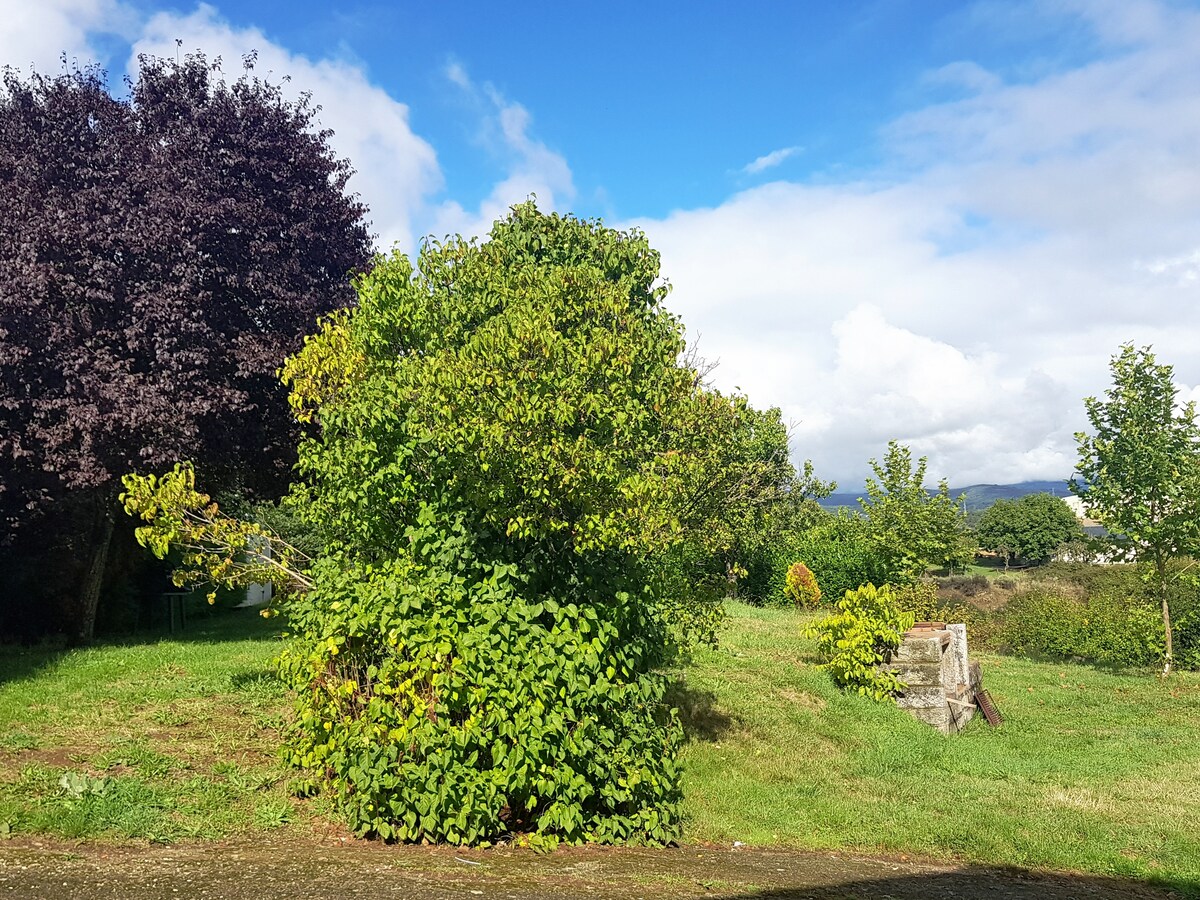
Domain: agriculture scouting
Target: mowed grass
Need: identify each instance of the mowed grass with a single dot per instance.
(161, 740)
(1091, 771)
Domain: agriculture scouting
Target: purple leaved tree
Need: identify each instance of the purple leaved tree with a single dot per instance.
(159, 257)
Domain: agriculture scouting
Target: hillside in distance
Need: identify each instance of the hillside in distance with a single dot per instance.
(978, 496)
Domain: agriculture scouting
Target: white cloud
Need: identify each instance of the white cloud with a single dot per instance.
(963, 74)
(457, 75)
(963, 297)
(1123, 22)
(769, 160)
(968, 294)
(1185, 267)
(38, 32)
(887, 381)
(396, 171)
(531, 167)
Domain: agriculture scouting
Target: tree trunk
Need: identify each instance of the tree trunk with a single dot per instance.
(1160, 567)
(95, 574)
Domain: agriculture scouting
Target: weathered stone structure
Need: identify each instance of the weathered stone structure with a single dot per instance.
(940, 680)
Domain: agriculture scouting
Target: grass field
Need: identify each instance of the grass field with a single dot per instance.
(163, 740)
(1092, 771)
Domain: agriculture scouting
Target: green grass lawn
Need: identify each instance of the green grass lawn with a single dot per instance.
(162, 740)
(1092, 771)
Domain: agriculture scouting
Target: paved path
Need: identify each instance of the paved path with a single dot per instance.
(48, 870)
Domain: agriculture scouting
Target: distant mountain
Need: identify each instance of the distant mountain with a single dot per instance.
(981, 496)
(978, 496)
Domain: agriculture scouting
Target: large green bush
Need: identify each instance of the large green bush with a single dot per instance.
(1121, 596)
(520, 490)
(1110, 627)
(837, 550)
(514, 463)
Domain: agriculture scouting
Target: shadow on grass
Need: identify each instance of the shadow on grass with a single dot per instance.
(259, 683)
(698, 712)
(981, 882)
(18, 661)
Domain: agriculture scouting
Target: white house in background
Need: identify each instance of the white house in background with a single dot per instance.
(258, 594)
(1091, 528)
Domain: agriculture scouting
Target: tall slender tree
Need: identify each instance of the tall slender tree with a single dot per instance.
(1139, 471)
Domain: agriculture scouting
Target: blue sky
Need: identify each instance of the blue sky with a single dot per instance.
(910, 219)
(659, 106)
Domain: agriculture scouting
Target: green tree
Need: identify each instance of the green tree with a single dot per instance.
(760, 442)
(766, 532)
(999, 530)
(161, 253)
(911, 528)
(1139, 472)
(1032, 527)
(506, 457)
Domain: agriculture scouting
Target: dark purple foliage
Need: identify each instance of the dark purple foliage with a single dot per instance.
(159, 256)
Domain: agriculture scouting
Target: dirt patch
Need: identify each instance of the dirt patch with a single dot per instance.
(352, 869)
(53, 757)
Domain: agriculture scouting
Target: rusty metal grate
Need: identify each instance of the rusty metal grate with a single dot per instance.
(988, 708)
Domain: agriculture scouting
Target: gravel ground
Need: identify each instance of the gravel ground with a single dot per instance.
(47, 869)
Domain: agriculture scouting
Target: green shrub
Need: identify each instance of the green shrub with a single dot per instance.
(1186, 623)
(838, 553)
(1122, 631)
(801, 586)
(461, 705)
(515, 478)
(1106, 627)
(1040, 621)
(1087, 578)
(1099, 613)
(863, 633)
(924, 601)
(964, 585)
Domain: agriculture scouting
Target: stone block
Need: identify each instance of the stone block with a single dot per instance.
(939, 680)
(922, 648)
(915, 697)
(937, 716)
(961, 712)
(948, 668)
(975, 680)
(958, 649)
(917, 674)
